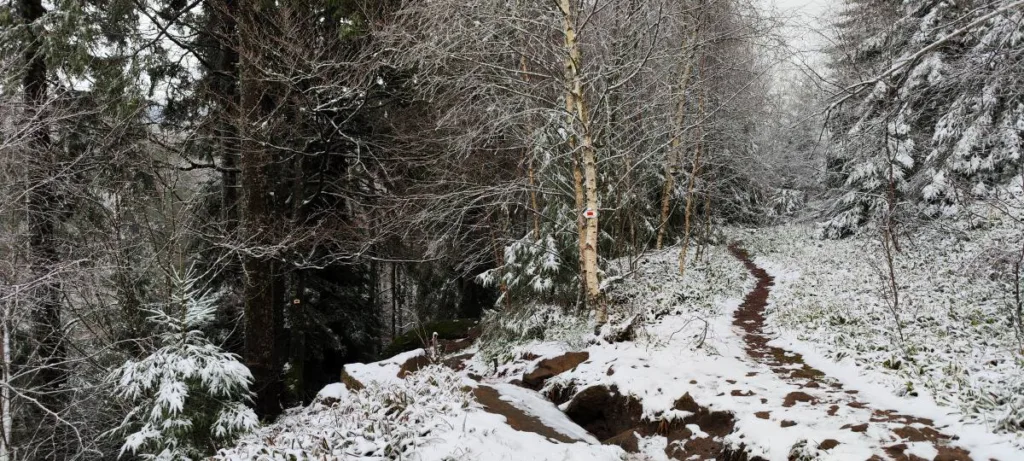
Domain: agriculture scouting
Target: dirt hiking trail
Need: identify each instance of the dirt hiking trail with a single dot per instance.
(883, 425)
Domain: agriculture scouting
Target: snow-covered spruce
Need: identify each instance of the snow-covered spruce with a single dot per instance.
(941, 124)
(188, 395)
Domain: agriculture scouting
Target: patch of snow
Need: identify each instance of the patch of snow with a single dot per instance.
(535, 405)
(383, 372)
(922, 450)
(335, 391)
(958, 362)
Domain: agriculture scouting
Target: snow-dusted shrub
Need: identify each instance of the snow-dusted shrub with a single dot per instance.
(655, 287)
(804, 451)
(535, 269)
(504, 330)
(380, 421)
(786, 202)
(189, 395)
(1005, 402)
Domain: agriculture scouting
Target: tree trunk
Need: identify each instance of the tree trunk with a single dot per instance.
(534, 203)
(706, 234)
(262, 322)
(499, 262)
(399, 294)
(297, 342)
(6, 419)
(298, 313)
(585, 180)
(49, 373)
(225, 78)
(394, 300)
(679, 128)
(694, 172)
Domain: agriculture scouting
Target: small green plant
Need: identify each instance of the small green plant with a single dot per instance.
(803, 451)
(893, 363)
(908, 389)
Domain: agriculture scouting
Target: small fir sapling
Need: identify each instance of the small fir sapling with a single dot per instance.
(189, 396)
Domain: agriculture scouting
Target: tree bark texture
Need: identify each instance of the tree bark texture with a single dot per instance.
(262, 314)
(585, 170)
(49, 371)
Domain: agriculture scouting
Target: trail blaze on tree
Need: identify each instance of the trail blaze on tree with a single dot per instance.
(585, 169)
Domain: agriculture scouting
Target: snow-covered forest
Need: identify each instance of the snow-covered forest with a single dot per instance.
(565, 230)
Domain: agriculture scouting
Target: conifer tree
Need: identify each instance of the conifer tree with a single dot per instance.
(931, 113)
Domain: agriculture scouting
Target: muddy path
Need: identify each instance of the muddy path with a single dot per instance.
(897, 430)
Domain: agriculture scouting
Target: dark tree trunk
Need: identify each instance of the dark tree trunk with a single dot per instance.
(297, 315)
(50, 374)
(225, 83)
(394, 301)
(297, 340)
(263, 319)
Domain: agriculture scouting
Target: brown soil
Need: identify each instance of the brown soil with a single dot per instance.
(828, 444)
(413, 365)
(617, 419)
(750, 318)
(605, 412)
(793, 397)
(451, 346)
(458, 362)
(552, 367)
(351, 383)
(627, 440)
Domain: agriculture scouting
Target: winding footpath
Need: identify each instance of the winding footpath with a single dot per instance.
(888, 429)
(754, 402)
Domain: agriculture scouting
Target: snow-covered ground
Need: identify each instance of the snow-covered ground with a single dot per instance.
(826, 305)
(437, 419)
(958, 345)
(430, 415)
(676, 356)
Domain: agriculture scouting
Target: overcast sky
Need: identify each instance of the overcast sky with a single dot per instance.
(804, 17)
(805, 20)
(808, 6)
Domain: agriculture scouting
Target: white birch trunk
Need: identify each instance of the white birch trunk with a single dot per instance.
(5, 392)
(585, 171)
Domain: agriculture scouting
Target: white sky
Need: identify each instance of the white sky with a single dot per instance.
(806, 22)
(803, 17)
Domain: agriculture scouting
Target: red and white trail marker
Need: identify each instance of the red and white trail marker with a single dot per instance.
(590, 213)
